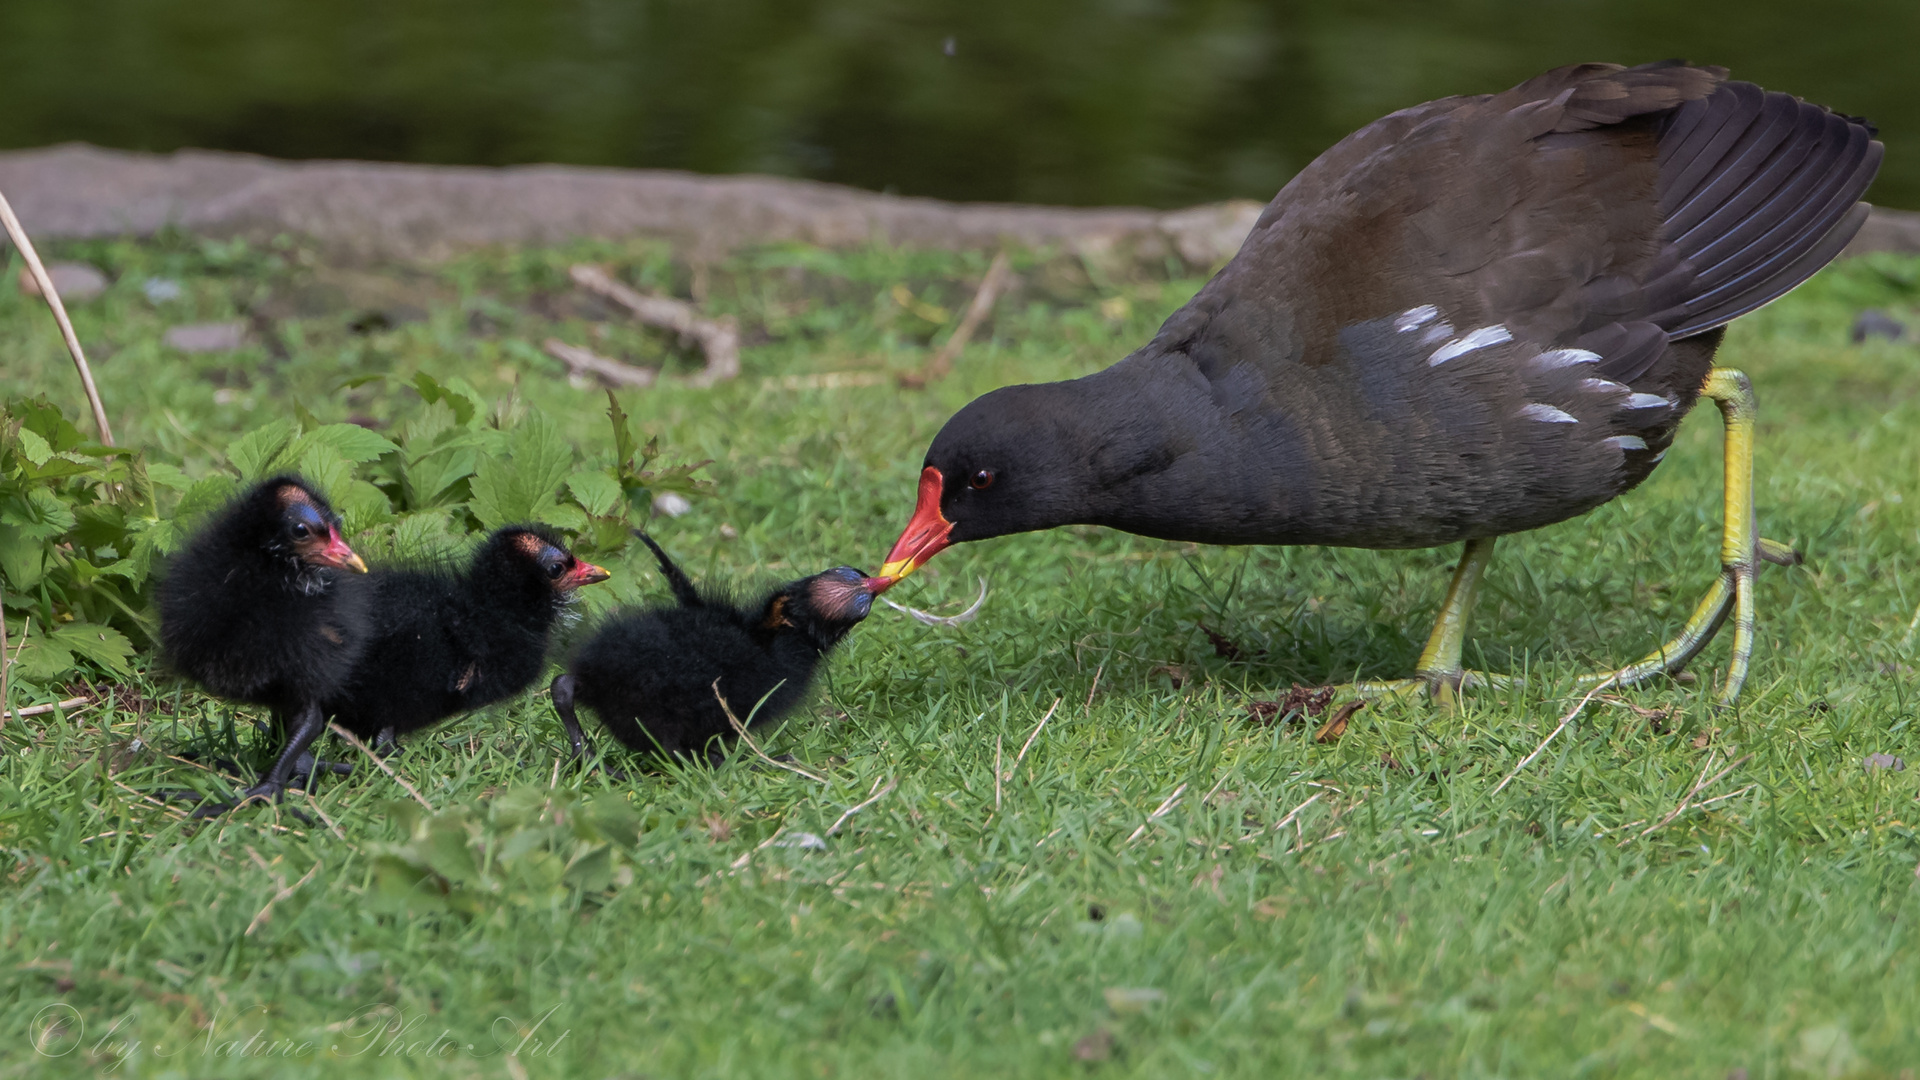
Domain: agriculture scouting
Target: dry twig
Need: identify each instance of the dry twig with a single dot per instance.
(354, 741)
(977, 312)
(52, 297)
(584, 362)
(1699, 785)
(719, 338)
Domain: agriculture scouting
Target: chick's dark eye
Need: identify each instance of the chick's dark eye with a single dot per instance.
(300, 531)
(554, 570)
(981, 480)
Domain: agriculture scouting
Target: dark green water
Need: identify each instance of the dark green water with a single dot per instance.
(1088, 101)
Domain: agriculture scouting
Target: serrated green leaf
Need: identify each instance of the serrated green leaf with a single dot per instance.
(622, 435)
(103, 645)
(361, 506)
(325, 469)
(207, 494)
(350, 441)
(256, 453)
(34, 448)
(596, 492)
(22, 558)
(522, 483)
(168, 476)
(566, 517)
(41, 661)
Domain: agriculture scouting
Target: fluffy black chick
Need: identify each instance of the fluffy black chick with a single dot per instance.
(256, 608)
(447, 641)
(651, 675)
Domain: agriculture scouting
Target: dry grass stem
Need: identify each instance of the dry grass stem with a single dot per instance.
(1028, 745)
(1699, 785)
(1159, 813)
(943, 620)
(740, 729)
(52, 296)
(1564, 721)
(852, 810)
(266, 913)
(354, 741)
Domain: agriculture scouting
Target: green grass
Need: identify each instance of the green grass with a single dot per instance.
(1406, 921)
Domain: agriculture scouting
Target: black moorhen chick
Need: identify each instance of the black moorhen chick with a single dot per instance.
(1470, 318)
(254, 610)
(651, 675)
(444, 642)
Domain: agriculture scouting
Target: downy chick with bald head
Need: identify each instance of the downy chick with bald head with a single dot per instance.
(651, 675)
(445, 642)
(256, 608)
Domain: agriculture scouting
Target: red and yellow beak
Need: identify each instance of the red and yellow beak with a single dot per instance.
(925, 535)
(584, 573)
(336, 553)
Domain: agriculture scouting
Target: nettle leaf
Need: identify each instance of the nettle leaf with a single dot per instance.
(44, 418)
(207, 494)
(361, 506)
(622, 435)
(520, 484)
(103, 645)
(324, 468)
(22, 558)
(42, 661)
(463, 399)
(597, 493)
(425, 535)
(34, 448)
(256, 452)
(350, 441)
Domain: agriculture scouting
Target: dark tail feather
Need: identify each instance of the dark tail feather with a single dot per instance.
(1759, 191)
(683, 589)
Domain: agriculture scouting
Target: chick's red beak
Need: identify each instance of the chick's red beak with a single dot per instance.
(925, 535)
(336, 553)
(584, 574)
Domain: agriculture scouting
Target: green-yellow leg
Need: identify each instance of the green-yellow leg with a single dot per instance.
(1739, 552)
(1439, 667)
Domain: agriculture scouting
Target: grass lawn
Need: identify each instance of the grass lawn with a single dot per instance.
(1155, 886)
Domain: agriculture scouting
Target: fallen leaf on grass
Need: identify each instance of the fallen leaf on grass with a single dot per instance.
(1223, 646)
(1704, 739)
(1336, 724)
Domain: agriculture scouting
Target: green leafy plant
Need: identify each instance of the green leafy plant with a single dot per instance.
(529, 847)
(80, 526)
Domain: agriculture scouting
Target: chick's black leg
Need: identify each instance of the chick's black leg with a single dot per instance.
(562, 690)
(306, 727)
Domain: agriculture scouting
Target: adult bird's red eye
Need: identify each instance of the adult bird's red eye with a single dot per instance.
(982, 480)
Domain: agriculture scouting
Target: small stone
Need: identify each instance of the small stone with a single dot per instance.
(671, 504)
(805, 841)
(207, 337)
(76, 283)
(160, 290)
(1884, 763)
(1876, 324)
(728, 532)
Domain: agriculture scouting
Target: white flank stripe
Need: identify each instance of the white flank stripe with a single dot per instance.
(1414, 318)
(1648, 401)
(1559, 358)
(1466, 343)
(1627, 442)
(1658, 456)
(1547, 414)
(1437, 332)
(1602, 386)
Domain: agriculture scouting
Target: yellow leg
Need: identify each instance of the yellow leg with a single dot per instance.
(1439, 667)
(1740, 551)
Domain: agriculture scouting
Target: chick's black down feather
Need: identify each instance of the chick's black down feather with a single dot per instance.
(651, 675)
(256, 608)
(447, 641)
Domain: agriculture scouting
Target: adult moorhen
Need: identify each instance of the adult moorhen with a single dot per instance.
(656, 678)
(1472, 317)
(254, 609)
